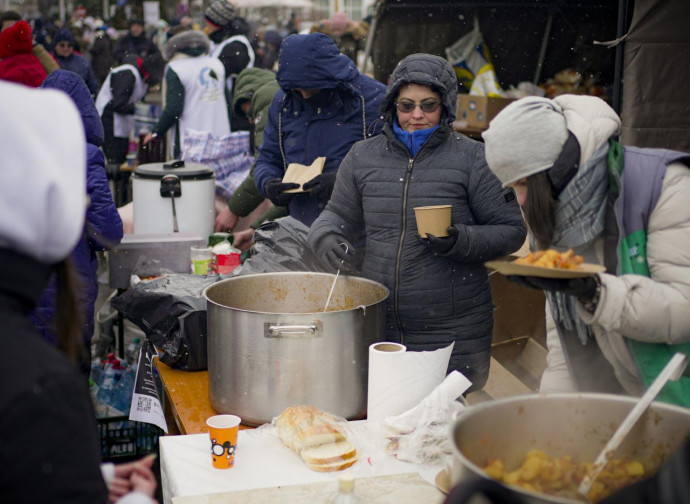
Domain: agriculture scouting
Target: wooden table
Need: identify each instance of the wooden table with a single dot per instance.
(185, 402)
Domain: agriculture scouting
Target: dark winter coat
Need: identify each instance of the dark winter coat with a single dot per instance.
(130, 46)
(103, 227)
(435, 300)
(102, 57)
(258, 86)
(44, 400)
(299, 132)
(76, 62)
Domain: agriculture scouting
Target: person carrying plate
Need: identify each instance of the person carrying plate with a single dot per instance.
(439, 288)
(621, 207)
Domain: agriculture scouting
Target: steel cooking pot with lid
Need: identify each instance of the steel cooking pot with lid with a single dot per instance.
(270, 345)
(561, 424)
(172, 197)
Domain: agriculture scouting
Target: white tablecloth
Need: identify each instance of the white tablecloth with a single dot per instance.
(261, 461)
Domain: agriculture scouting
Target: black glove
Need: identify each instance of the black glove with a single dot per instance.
(331, 251)
(274, 190)
(440, 245)
(321, 186)
(582, 288)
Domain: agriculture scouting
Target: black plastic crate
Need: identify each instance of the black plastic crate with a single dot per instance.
(125, 438)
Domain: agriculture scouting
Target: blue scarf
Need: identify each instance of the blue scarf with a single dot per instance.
(413, 141)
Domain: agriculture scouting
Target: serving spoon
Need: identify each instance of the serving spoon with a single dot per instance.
(672, 371)
(328, 300)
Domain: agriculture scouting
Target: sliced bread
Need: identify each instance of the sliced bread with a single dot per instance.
(329, 453)
(317, 435)
(303, 426)
(333, 466)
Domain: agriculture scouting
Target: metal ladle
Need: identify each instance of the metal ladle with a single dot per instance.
(673, 370)
(328, 300)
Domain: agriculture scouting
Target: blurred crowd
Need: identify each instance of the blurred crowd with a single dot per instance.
(91, 46)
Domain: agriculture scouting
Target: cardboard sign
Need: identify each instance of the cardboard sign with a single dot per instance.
(300, 174)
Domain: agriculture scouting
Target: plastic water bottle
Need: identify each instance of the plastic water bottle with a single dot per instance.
(132, 351)
(96, 372)
(112, 372)
(346, 491)
(122, 395)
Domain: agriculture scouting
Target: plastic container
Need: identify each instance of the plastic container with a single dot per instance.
(225, 258)
(346, 491)
(122, 438)
(201, 258)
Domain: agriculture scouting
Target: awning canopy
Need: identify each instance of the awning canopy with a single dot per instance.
(294, 4)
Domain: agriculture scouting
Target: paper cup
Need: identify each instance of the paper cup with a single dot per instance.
(222, 430)
(434, 220)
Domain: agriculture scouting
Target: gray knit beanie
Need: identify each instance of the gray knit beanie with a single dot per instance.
(220, 13)
(525, 138)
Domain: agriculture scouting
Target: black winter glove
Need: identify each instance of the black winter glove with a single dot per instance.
(440, 245)
(274, 190)
(321, 186)
(582, 288)
(331, 251)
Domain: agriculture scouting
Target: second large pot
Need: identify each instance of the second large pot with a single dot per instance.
(562, 424)
(270, 345)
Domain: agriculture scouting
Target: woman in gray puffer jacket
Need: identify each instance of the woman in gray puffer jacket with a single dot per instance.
(440, 292)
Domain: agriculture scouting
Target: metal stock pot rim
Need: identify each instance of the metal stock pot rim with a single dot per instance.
(385, 291)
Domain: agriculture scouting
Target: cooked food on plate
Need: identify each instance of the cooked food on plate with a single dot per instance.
(318, 437)
(552, 259)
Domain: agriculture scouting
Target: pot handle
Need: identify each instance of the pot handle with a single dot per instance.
(296, 331)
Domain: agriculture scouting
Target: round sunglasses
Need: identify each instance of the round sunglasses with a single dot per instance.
(407, 106)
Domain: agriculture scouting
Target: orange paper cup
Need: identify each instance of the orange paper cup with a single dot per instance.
(222, 430)
(434, 220)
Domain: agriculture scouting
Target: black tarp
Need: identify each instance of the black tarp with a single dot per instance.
(656, 76)
(513, 30)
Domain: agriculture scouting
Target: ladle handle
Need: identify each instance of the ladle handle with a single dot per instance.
(673, 370)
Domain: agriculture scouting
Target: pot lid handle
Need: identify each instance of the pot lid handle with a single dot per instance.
(179, 163)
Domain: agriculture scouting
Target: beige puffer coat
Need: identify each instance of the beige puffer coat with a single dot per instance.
(656, 309)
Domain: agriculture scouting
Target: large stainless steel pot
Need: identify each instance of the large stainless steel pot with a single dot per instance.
(561, 424)
(270, 345)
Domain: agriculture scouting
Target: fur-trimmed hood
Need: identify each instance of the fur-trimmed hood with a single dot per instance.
(187, 42)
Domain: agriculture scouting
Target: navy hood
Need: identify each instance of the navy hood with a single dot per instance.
(74, 86)
(64, 35)
(313, 62)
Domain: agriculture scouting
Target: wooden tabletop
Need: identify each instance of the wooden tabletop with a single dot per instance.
(186, 400)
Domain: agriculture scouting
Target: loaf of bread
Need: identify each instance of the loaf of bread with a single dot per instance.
(318, 438)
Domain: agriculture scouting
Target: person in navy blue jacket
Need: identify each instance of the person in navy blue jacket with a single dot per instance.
(64, 47)
(103, 227)
(323, 107)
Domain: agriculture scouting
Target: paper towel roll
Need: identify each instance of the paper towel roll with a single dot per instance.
(399, 380)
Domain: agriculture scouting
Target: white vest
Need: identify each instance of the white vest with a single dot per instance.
(217, 49)
(205, 107)
(123, 124)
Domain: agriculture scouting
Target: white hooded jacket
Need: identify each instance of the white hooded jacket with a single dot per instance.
(655, 309)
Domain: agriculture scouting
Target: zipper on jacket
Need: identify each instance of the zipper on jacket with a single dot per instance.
(400, 247)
